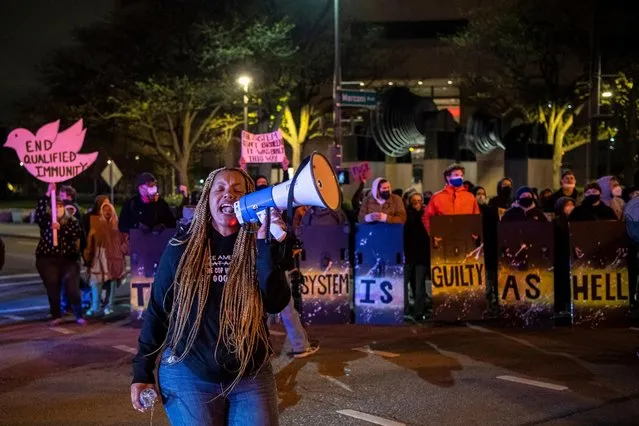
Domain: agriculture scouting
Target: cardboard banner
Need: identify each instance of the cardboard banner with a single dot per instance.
(263, 148)
(361, 171)
(146, 251)
(599, 273)
(379, 274)
(526, 283)
(327, 288)
(457, 268)
(52, 156)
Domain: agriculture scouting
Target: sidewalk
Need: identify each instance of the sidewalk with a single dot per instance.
(19, 230)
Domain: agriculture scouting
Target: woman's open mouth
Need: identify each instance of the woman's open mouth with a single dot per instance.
(227, 209)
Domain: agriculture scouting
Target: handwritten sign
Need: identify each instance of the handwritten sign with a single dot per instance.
(361, 171)
(263, 148)
(49, 155)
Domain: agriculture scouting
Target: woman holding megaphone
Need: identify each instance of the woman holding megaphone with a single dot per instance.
(206, 315)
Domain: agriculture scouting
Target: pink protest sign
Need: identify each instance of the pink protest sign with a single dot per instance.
(51, 156)
(362, 171)
(263, 148)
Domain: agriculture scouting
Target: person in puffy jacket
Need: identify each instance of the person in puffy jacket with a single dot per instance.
(454, 199)
(381, 205)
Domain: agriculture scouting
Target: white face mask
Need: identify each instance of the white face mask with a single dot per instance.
(568, 185)
(152, 190)
(616, 191)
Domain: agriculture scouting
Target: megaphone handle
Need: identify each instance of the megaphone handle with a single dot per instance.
(267, 221)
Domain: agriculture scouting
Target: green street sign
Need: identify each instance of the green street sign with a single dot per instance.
(356, 98)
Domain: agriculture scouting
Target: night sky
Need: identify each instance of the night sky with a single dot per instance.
(29, 30)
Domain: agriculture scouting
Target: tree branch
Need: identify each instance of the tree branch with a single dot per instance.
(204, 124)
(174, 138)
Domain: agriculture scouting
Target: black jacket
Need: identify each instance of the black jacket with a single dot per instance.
(135, 213)
(416, 240)
(69, 235)
(202, 358)
(586, 212)
(549, 206)
(517, 214)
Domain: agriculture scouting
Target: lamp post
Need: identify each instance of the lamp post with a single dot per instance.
(337, 76)
(245, 81)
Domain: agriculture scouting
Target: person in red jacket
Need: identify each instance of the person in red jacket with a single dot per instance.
(453, 199)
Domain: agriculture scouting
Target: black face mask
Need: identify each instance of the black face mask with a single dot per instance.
(426, 201)
(526, 202)
(258, 187)
(505, 191)
(592, 199)
(384, 195)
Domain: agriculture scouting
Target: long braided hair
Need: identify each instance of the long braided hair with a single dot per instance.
(242, 327)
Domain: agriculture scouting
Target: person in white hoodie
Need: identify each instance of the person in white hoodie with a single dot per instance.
(381, 205)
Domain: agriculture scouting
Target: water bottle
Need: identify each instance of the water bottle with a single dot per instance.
(148, 397)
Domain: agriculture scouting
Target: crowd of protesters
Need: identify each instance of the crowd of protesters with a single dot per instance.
(604, 199)
(88, 261)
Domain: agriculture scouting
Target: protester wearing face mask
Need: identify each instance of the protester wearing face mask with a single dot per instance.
(381, 205)
(568, 183)
(58, 264)
(563, 209)
(524, 208)
(611, 193)
(501, 202)
(454, 199)
(417, 255)
(261, 182)
(146, 211)
(592, 208)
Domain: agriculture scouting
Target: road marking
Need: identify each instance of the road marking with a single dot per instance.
(384, 354)
(7, 277)
(337, 382)
(370, 418)
(533, 383)
(28, 242)
(28, 309)
(62, 330)
(277, 333)
(528, 344)
(126, 348)
(13, 317)
(15, 284)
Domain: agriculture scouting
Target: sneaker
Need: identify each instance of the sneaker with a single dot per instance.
(312, 348)
(81, 321)
(92, 313)
(108, 310)
(56, 322)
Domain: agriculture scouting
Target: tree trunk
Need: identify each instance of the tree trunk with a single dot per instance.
(297, 155)
(183, 175)
(557, 154)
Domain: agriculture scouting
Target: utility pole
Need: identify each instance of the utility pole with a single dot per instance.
(595, 97)
(337, 77)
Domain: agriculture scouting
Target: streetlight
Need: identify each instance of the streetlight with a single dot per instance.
(337, 77)
(607, 94)
(245, 81)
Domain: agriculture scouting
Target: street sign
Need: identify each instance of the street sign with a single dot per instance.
(111, 174)
(356, 98)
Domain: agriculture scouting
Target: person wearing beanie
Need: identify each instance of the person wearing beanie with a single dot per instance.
(524, 208)
(147, 210)
(592, 208)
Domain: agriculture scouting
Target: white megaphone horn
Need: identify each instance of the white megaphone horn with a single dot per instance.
(314, 185)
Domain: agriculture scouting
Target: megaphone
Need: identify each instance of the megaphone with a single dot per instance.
(315, 185)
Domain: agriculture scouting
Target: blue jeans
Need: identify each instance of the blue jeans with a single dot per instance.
(190, 400)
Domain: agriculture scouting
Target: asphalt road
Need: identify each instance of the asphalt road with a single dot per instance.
(411, 375)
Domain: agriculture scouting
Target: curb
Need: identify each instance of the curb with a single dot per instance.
(23, 236)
